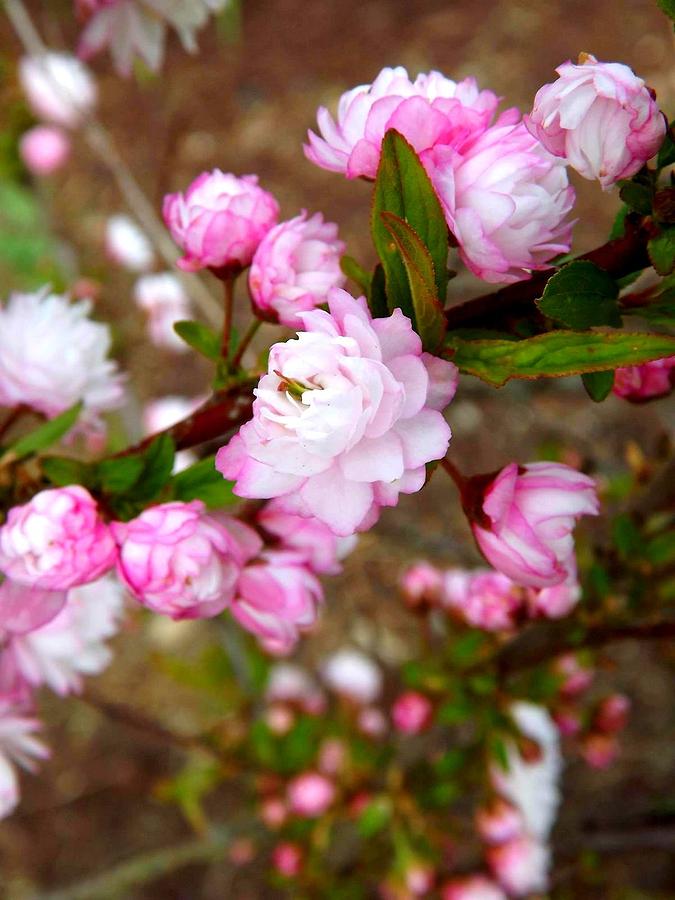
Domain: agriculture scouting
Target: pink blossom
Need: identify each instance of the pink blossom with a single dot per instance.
(321, 548)
(499, 822)
(411, 712)
(347, 417)
(568, 720)
(44, 149)
(294, 267)
(24, 608)
(277, 599)
(58, 87)
(419, 878)
(576, 678)
(181, 562)
(17, 746)
(599, 750)
(279, 719)
(484, 599)
(56, 541)
(354, 675)
(422, 584)
(127, 245)
(472, 887)
(521, 865)
(600, 117)
(219, 221)
(431, 110)
(611, 714)
(52, 355)
(646, 382)
(530, 512)
(506, 201)
(71, 645)
(287, 859)
(162, 297)
(310, 794)
(557, 601)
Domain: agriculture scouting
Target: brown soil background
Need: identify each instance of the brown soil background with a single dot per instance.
(245, 107)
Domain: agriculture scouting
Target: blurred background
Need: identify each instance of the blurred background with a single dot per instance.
(243, 104)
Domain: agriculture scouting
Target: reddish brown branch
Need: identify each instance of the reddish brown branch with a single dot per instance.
(619, 257)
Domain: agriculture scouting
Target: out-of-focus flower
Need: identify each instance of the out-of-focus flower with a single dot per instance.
(127, 245)
(352, 674)
(422, 584)
(273, 812)
(310, 794)
(429, 111)
(59, 88)
(44, 149)
(506, 200)
(347, 417)
(279, 719)
(165, 412)
(576, 678)
(24, 608)
(611, 713)
(411, 712)
(219, 221)
(165, 302)
(473, 887)
(52, 355)
(600, 118)
(17, 746)
(321, 548)
(568, 719)
(288, 683)
(177, 560)
(646, 382)
(599, 750)
(331, 756)
(372, 722)
(294, 267)
(131, 28)
(71, 644)
(483, 599)
(556, 601)
(530, 512)
(277, 599)
(56, 541)
(287, 859)
(498, 822)
(521, 865)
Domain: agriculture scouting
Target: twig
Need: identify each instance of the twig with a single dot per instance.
(249, 334)
(228, 303)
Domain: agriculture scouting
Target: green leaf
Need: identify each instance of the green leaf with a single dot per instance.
(666, 155)
(158, 461)
(598, 385)
(402, 187)
(377, 296)
(200, 337)
(46, 434)
(202, 481)
(354, 270)
(668, 7)
(556, 354)
(119, 475)
(375, 817)
(627, 537)
(661, 251)
(619, 225)
(637, 195)
(580, 296)
(62, 471)
(429, 319)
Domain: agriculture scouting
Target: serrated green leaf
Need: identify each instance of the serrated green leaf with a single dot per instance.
(581, 295)
(430, 322)
(200, 337)
(637, 196)
(556, 354)
(354, 270)
(598, 385)
(661, 251)
(62, 471)
(46, 435)
(202, 481)
(402, 187)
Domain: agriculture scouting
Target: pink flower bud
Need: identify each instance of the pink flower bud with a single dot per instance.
(521, 865)
(294, 267)
(279, 718)
(499, 822)
(310, 794)
(287, 859)
(181, 562)
(220, 221)
(345, 419)
(273, 812)
(277, 599)
(419, 878)
(473, 887)
(372, 722)
(599, 750)
(411, 712)
(557, 601)
(568, 720)
(600, 117)
(332, 756)
(506, 201)
(290, 684)
(483, 599)
(56, 540)
(59, 88)
(646, 382)
(44, 149)
(576, 677)
(354, 675)
(529, 514)
(612, 713)
(421, 584)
